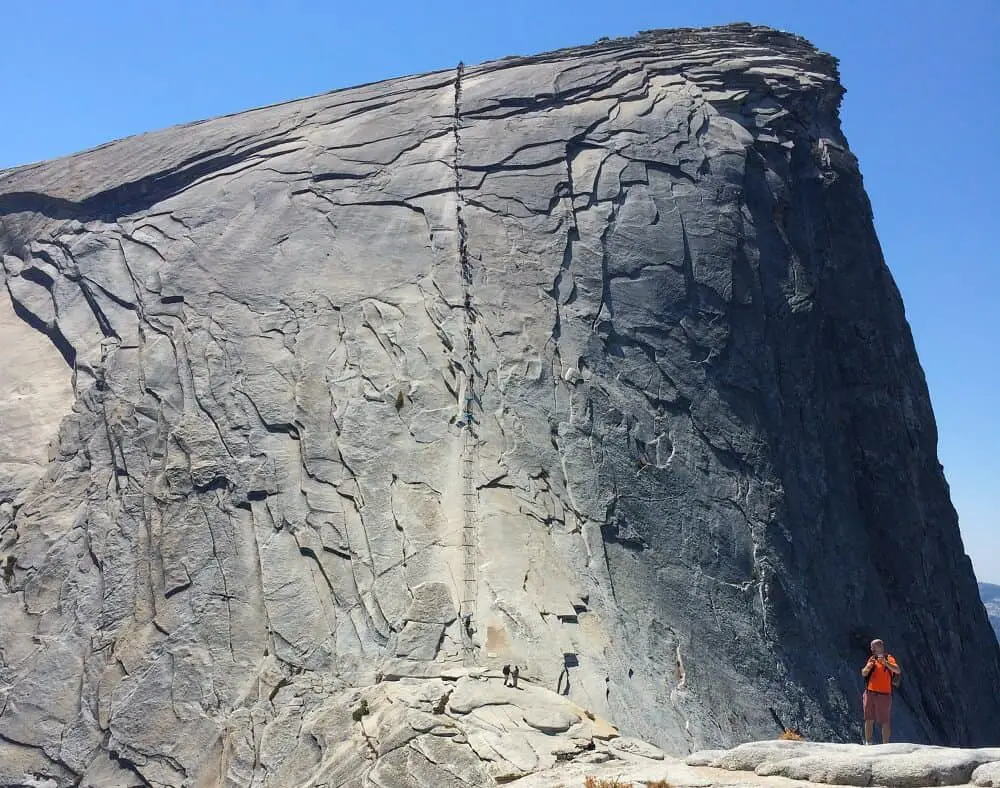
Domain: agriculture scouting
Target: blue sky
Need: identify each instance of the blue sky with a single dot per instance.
(921, 112)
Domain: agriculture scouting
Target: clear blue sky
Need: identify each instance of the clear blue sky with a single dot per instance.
(921, 112)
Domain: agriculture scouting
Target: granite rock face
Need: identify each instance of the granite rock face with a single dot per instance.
(587, 362)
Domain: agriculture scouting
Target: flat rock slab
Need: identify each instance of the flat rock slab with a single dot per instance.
(602, 765)
(703, 757)
(512, 752)
(473, 693)
(550, 720)
(401, 669)
(431, 604)
(637, 747)
(891, 765)
(987, 775)
(419, 640)
(470, 695)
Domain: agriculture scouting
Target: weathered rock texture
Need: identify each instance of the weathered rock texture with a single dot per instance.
(587, 362)
(890, 765)
(784, 764)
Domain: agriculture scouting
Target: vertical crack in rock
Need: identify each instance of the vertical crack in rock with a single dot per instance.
(469, 394)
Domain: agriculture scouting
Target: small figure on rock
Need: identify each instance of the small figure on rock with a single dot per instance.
(8, 572)
(442, 702)
(881, 674)
(361, 711)
(514, 672)
(506, 674)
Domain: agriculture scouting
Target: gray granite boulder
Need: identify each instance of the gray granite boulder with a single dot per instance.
(987, 775)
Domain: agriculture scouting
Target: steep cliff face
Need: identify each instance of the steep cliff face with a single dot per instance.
(588, 362)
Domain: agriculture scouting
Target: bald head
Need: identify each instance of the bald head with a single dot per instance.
(878, 647)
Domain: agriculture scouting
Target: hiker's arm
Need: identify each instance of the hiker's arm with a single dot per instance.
(893, 667)
(867, 668)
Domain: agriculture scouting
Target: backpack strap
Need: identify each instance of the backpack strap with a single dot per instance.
(892, 676)
(895, 678)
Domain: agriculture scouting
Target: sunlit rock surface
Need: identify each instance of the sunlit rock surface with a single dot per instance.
(587, 362)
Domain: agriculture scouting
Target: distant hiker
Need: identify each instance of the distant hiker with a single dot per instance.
(514, 672)
(881, 674)
(506, 674)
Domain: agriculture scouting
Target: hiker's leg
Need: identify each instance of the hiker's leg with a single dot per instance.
(869, 731)
(886, 732)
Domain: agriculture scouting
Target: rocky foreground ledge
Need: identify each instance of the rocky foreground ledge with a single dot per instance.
(902, 765)
(465, 729)
(784, 764)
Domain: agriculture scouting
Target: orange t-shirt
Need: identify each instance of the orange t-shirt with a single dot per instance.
(880, 679)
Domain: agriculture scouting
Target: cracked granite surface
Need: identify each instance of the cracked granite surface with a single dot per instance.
(588, 362)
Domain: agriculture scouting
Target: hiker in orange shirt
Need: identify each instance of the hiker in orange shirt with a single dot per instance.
(881, 674)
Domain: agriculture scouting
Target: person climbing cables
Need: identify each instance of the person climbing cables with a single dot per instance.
(881, 673)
